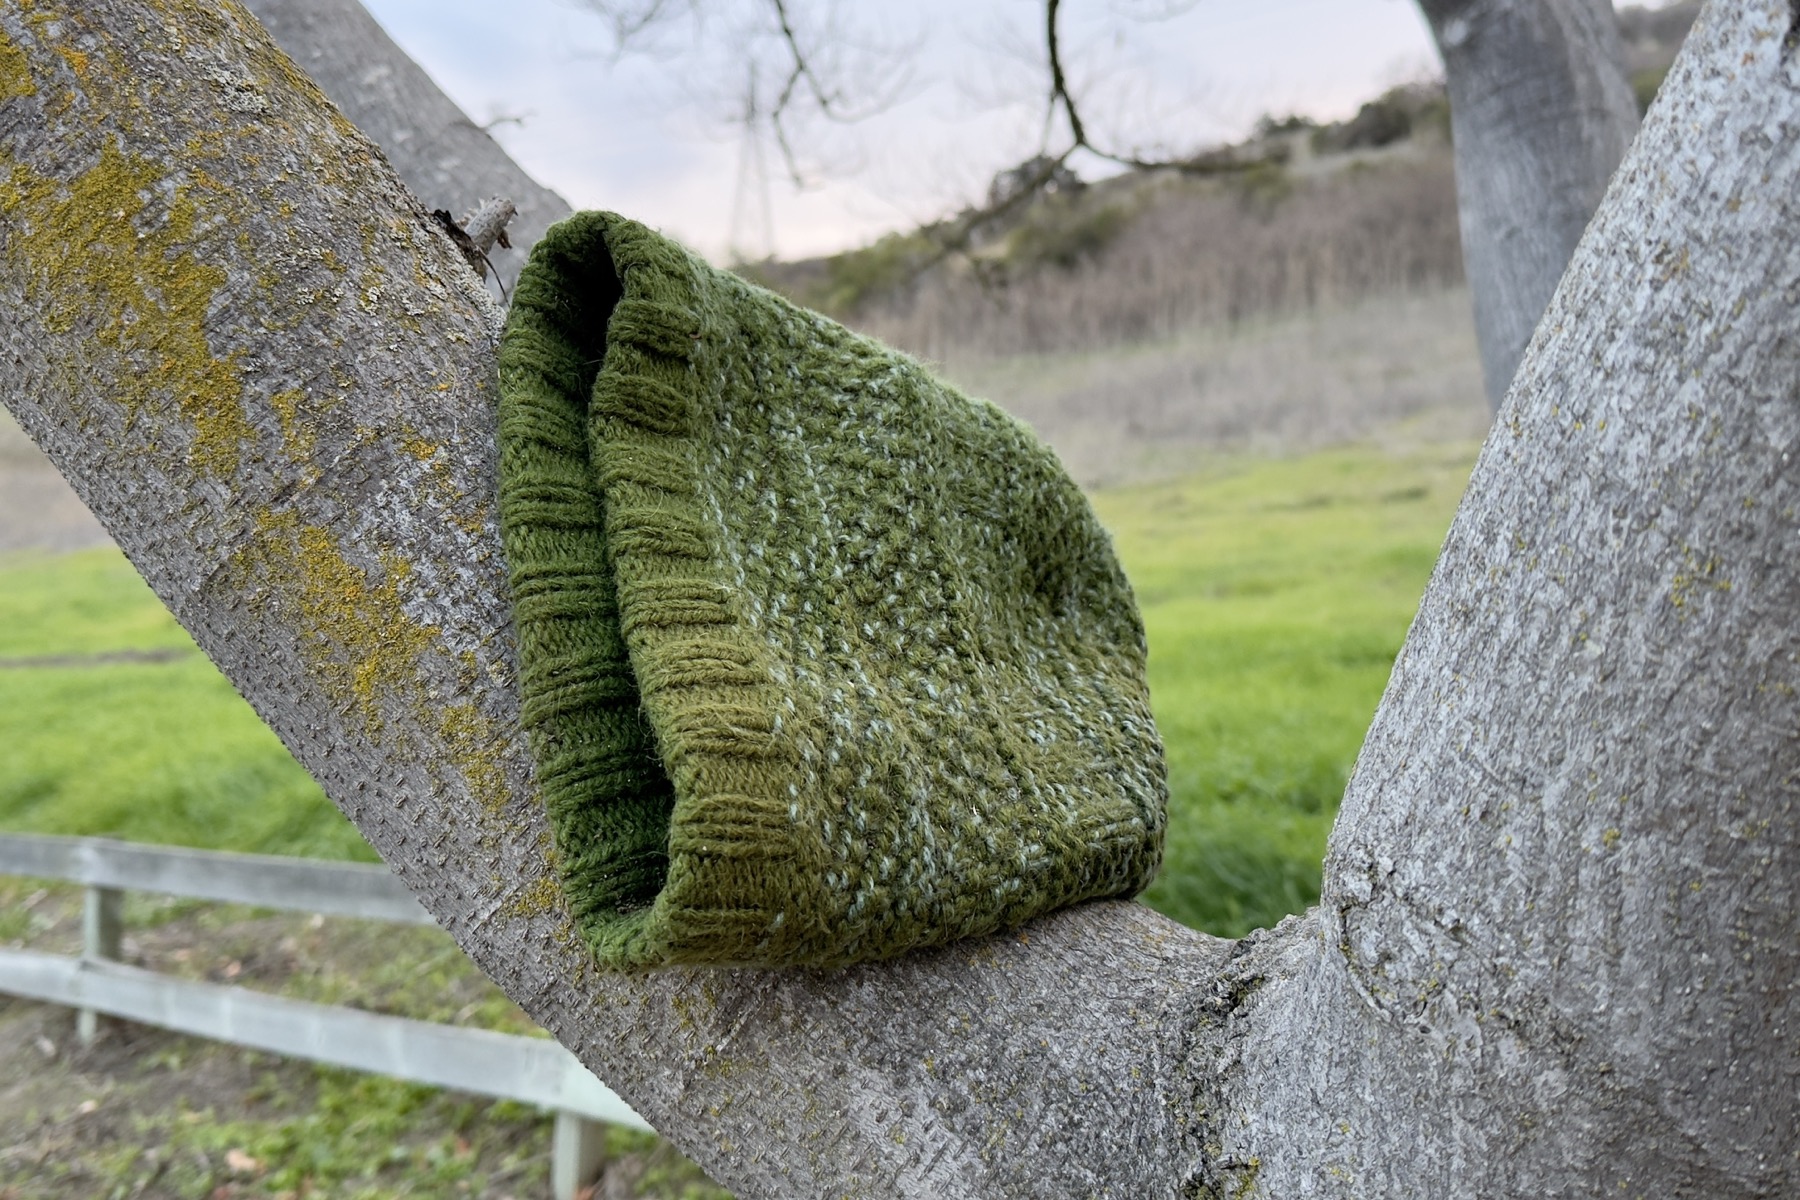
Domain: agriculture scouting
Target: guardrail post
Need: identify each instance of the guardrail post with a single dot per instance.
(102, 931)
(577, 1148)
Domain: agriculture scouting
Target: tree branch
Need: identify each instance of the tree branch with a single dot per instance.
(1063, 98)
(1059, 84)
(447, 160)
(1541, 112)
(1558, 910)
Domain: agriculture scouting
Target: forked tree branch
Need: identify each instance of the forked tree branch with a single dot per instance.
(1558, 907)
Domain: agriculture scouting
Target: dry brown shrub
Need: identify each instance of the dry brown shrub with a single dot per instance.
(1198, 254)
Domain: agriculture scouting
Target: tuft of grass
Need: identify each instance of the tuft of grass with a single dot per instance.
(1275, 596)
(349, 1134)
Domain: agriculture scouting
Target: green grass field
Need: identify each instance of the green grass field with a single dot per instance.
(1276, 593)
(158, 751)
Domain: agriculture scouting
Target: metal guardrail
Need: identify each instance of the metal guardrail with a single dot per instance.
(531, 1070)
(338, 889)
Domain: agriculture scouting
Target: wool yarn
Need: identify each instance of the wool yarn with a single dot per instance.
(820, 661)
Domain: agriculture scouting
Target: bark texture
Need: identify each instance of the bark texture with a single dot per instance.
(1564, 879)
(447, 160)
(1541, 112)
(1556, 952)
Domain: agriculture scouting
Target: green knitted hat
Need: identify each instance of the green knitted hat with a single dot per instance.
(820, 661)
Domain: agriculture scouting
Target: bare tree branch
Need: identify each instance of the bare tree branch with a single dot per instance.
(1062, 97)
(799, 71)
(1059, 83)
(629, 20)
(844, 95)
(813, 79)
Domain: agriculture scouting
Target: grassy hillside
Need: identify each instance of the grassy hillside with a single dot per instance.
(1275, 592)
(1271, 385)
(1311, 217)
(1149, 256)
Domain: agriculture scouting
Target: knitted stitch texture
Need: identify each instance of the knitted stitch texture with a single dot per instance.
(820, 661)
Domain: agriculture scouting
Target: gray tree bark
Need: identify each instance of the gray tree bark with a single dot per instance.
(1541, 112)
(447, 160)
(1556, 950)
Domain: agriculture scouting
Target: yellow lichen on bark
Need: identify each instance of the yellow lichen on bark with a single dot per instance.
(111, 253)
(299, 436)
(538, 898)
(15, 72)
(359, 642)
(476, 746)
(353, 631)
(418, 447)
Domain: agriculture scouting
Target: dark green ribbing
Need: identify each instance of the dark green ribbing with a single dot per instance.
(820, 661)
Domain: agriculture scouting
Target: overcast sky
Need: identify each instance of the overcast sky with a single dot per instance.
(647, 133)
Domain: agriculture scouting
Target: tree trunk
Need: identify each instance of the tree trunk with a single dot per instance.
(1555, 954)
(1541, 112)
(447, 160)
